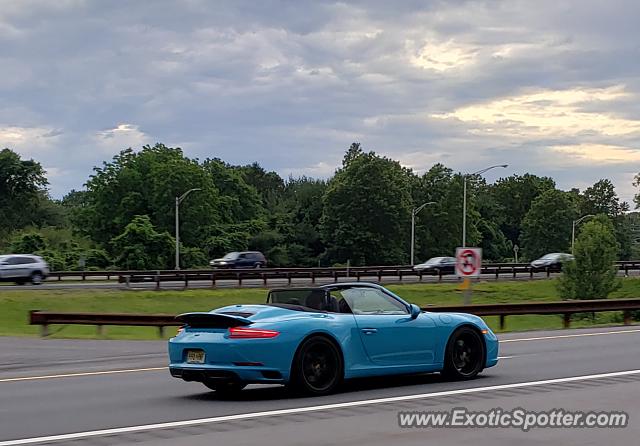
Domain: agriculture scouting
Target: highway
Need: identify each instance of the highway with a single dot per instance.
(119, 392)
(256, 283)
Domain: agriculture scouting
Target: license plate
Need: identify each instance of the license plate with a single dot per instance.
(195, 356)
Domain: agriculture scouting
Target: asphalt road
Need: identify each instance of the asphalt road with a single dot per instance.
(60, 387)
(254, 283)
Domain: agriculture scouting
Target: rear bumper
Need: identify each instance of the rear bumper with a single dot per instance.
(256, 375)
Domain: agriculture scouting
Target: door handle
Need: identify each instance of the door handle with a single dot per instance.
(369, 331)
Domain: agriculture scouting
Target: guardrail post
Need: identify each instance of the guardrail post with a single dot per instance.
(439, 275)
(566, 320)
(44, 330)
(264, 279)
(400, 275)
(313, 277)
(502, 321)
(358, 276)
(84, 275)
(161, 331)
(380, 275)
(289, 278)
(626, 317)
(186, 281)
(157, 282)
(213, 280)
(100, 330)
(335, 276)
(626, 271)
(548, 272)
(497, 273)
(420, 275)
(239, 279)
(530, 273)
(513, 270)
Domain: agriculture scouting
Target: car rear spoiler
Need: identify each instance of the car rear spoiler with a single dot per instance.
(212, 320)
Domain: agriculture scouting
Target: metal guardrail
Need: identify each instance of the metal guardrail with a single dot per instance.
(265, 274)
(566, 308)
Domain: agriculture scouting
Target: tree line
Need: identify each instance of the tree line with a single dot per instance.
(124, 217)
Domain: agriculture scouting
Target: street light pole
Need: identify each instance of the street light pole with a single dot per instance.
(464, 199)
(178, 201)
(573, 229)
(414, 212)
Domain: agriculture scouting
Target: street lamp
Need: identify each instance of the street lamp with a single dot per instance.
(573, 229)
(414, 212)
(464, 200)
(178, 201)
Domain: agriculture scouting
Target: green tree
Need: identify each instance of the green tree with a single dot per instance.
(29, 243)
(601, 198)
(146, 183)
(366, 212)
(268, 184)
(22, 191)
(547, 226)
(592, 275)
(140, 246)
(515, 196)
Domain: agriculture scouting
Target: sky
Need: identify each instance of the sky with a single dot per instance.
(548, 87)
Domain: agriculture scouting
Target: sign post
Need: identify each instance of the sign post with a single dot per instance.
(468, 265)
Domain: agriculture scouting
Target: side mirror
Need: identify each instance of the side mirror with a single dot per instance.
(415, 311)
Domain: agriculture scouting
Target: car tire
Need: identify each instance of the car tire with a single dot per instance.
(36, 278)
(317, 368)
(257, 265)
(465, 355)
(224, 388)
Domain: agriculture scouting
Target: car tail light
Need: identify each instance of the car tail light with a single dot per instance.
(251, 333)
(180, 330)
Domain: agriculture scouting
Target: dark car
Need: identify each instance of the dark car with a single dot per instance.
(552, 261)
(437, 265)
(245, 259)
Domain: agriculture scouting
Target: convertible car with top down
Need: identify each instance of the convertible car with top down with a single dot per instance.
(312, 339)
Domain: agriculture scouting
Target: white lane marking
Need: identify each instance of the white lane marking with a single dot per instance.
(507, 357)
(298, 410)
(73, 375)
(579, 335)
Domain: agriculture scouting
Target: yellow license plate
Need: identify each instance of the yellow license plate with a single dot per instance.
(195, 356)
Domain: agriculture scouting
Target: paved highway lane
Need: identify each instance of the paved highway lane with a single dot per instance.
(64, 404)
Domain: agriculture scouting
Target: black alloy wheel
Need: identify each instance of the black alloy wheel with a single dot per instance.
(318, 367)
(465, 354)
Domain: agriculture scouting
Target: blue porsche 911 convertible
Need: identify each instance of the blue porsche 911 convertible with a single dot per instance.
(314, 338)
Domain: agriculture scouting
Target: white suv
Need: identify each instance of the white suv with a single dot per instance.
(23, 268)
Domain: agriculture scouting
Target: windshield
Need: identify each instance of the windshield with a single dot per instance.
(549, 257)
(434, 261)
(231, 256)
(371, 301)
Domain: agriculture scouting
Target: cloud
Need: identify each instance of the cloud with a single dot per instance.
(120, 137)
(550, 113)
(597, 153)
(30, 141)
(546, 87)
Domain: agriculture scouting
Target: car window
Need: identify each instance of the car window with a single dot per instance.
(371, 301)
(25, 260)
(13, 261)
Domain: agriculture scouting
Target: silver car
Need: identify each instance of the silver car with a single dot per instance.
(23, 268)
